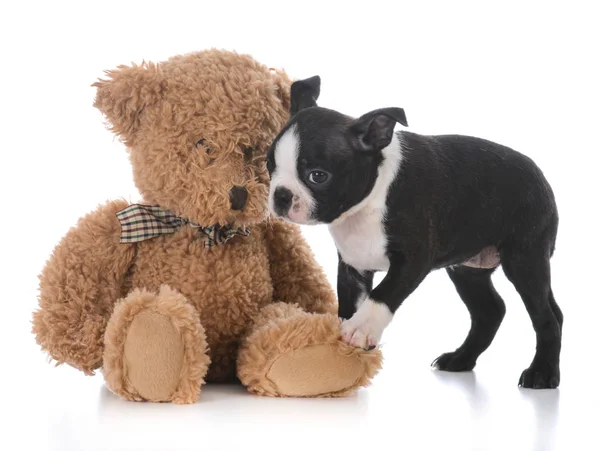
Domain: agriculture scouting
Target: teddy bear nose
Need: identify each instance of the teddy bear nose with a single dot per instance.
(238, 196)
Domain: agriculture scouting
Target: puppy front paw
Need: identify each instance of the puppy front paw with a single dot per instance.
(359, 335)
(365, 328)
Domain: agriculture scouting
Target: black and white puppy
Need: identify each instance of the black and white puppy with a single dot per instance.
(409, 204)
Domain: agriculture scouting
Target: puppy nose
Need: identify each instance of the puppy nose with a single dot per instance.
(283, 199)
(238, 196)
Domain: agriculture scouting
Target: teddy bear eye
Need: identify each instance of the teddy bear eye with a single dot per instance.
(202, 144)
(248, 153)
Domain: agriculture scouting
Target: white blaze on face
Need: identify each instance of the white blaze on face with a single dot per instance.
(285, 175)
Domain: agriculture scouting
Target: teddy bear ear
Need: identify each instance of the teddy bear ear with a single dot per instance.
(124, 94)
(282, 84)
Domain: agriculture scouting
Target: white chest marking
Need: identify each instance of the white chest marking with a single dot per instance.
(361, 240)
(359, 233)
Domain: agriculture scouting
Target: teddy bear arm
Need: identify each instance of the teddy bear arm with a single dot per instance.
(297, 277)
(79, 285)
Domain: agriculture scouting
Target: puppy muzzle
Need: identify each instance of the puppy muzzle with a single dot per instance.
(282, 201)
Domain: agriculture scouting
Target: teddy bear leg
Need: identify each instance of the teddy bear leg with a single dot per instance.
(291, 353)
(155, 348)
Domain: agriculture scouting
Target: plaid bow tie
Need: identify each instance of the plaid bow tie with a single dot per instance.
(142, 222)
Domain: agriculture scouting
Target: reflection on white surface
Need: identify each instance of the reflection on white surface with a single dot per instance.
(409, 406)
(545, 407)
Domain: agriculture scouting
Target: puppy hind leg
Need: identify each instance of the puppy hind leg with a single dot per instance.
(486, 309)
(530, 274)
(556, 309)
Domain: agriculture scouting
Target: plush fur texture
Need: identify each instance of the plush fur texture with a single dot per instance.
(327, 367)
(196, 127)
(157, 380)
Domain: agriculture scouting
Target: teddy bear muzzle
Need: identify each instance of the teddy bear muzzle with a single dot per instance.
(238, 196)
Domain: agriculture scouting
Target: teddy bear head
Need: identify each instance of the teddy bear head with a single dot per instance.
(197, 127)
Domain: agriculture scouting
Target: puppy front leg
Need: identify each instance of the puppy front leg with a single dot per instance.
(365, 328)
(353, 287)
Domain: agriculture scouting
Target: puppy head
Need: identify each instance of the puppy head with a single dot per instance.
(323, 162)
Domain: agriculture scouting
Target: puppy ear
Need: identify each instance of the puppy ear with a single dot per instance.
(304, 93)
(375, 129)
(125, 93)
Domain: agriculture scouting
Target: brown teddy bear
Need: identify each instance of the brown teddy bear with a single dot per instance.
(196, 283)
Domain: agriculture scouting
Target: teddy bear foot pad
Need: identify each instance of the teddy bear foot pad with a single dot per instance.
(297, 354)
(315, 370)
(155, 348)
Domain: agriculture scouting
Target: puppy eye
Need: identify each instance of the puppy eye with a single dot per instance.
(318, 177)
(201, 144)
(248, 153)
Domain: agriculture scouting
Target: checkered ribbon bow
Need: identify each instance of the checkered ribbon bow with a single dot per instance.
(142, 222)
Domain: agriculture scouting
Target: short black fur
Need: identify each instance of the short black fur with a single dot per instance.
(452, 197)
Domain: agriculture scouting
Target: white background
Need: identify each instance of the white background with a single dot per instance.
(523, 74)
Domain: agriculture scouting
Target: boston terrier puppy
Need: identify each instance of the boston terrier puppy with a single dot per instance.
(408, 204)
